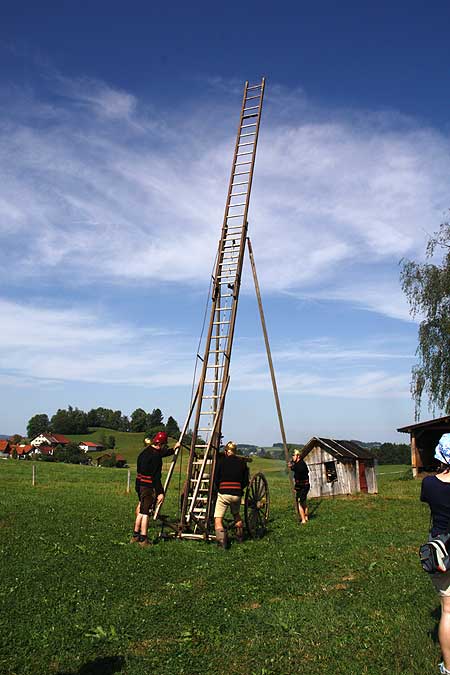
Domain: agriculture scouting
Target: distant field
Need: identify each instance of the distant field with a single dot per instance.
(394, 469)
(343, 595)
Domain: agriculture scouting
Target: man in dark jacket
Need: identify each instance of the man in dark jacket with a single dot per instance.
(230, 480)
(301, 478)
(148, 483)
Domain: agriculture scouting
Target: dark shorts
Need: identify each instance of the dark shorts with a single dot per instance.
(147, 497)
(301, 493)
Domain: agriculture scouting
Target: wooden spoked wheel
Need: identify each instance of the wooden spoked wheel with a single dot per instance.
(256, 506)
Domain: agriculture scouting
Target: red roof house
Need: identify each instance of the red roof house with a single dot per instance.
(60, 439)
(120, 459)
(48, 438)
(46, 450)
(90, 446)
(5, 446)
(24, 450)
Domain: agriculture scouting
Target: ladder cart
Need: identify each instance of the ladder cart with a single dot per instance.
(207, 405)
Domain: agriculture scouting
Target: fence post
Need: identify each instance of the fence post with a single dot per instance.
(128, 481)
(33, 479)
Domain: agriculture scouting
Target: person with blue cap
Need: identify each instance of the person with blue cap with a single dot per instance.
(436, 493)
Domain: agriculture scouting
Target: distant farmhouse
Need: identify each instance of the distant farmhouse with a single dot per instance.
(44, 444)
(424, 439)
(120, 459)
(24, 451)
(89, 446)
(49, 439)
(339, 467)
(8, 448)
(5, 448)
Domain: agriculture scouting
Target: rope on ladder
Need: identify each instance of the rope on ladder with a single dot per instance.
(203, 326)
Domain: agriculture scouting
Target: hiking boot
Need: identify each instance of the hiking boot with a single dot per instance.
(134, 540)
(443, 670)
(145, 543)
(221, 538)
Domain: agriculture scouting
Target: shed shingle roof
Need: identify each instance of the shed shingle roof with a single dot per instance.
(24, 449)
(440, 423)
(340, 449)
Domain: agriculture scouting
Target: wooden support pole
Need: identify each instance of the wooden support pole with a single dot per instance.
(128, 481)
(175, 456)
(272, 373)
(416, 459)
(33, 475)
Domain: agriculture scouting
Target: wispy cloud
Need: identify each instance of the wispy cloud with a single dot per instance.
(82, 345)
(79, 344)
(333, 192)
(352, 375)
(98, 97)
(326, 349)
(383, 296)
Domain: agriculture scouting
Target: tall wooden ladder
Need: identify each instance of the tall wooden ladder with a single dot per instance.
(214, 378)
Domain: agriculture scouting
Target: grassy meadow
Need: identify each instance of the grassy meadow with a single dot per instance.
(342, 595)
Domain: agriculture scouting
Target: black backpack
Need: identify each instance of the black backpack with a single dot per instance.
(434, 555)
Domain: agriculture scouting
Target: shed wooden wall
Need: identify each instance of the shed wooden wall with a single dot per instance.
(347, 482)
(371, 478)
(347, 479)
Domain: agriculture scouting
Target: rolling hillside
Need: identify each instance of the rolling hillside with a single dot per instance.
(127, 444)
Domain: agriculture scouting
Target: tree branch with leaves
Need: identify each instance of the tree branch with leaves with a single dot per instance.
(427, 287)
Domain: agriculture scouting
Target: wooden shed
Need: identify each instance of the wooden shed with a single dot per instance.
(424, 439)
(120, 459)
(339, 467)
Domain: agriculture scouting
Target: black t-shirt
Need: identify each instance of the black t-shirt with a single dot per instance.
(231, 475)
(436, 493)
(149, 467)
(301, 472)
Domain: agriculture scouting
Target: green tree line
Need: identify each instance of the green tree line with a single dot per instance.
(386, 453)
(393, 453)
(76, 421)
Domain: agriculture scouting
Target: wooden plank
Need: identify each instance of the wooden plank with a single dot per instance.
(416, 460)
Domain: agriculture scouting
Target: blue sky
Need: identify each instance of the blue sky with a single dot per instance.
(117, 129)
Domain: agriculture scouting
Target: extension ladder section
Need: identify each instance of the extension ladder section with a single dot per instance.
(214, 378)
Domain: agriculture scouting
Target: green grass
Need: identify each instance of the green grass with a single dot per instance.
(343, 595)
(393, 469)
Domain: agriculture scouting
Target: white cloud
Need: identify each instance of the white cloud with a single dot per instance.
(38, 343)
(383, 296)
(323, 367)
(325, 349)
(332, 191)
(52, 345)
(98, 97)
(349, 384)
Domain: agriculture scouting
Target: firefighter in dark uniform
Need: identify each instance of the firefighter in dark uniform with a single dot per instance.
(148, 483)
(230, 480)
(301, 478)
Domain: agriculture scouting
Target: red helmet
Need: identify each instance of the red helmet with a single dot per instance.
(160, 438)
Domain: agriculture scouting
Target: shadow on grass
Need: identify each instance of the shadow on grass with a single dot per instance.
(103, 665)
(313, 507)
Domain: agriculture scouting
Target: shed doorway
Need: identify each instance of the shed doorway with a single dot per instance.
(362, 477)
